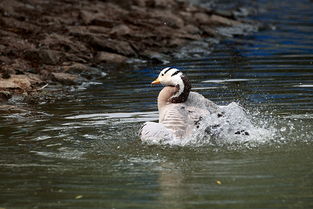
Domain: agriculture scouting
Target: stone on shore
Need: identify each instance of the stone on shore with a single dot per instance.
(108, 57)
(57, 41)
(20, 83)
(66, 78)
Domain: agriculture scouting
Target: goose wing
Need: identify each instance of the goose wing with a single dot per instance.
(155, 133)
(198, 101)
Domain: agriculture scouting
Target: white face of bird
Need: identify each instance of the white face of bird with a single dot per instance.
(169, 77)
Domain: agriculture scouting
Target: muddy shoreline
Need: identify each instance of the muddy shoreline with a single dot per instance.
(65, 42)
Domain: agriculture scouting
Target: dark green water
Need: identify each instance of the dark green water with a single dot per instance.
(83, 151)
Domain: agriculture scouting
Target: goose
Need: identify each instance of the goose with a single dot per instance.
(180, 109)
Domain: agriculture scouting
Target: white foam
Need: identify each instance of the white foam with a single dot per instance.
(226, 80)
(207, 87)
(304, 86)
(234, 127)
(116, 118)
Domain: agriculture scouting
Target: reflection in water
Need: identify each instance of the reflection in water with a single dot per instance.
(86, 145)
(172, 186)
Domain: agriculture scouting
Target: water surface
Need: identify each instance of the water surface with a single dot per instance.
(83, 151)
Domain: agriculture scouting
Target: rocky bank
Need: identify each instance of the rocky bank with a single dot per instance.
(64, 41)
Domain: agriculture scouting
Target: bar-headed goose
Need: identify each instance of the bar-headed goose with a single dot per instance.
(180, 110)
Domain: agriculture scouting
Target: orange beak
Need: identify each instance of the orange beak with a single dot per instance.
(156, 81)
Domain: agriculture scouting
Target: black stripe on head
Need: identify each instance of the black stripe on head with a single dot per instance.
(167, 70)
(175, 73)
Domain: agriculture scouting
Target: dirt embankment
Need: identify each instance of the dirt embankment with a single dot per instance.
(62, 40)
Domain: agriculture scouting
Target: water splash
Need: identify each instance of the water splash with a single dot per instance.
(237, 128)
(234, 127)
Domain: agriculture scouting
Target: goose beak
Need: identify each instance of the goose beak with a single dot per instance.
(156, 81)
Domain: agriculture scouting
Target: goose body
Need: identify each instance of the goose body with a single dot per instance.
(188, 118)
(180, 110)
(182, 118)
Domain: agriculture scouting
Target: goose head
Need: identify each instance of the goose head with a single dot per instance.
(177, 86)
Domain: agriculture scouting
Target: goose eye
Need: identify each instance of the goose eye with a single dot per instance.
(162, 74)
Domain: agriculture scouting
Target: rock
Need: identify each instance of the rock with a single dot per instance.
(8, 84)
(84, 71)
(104, 14)
(104, 31)
(45, 75)
(6, 72)
(43, 56)
(155, 56)
(224, 13)
(34, 80)
(192, 29)
(5, 95)
(66, 78)
(223, 20)
(5, 109)
(20, 26)
(87, 17)
(159, 3)
(4, 59)
(120, 47)
(202, 18)
(108, 57)
(48, 57)
(16, 82)
(45, 37)
(76, 68)
(22, 83)
(140, 3)
(177, 42)
(63, 43)
(168, 18)
(76, 57)
(120, 30)
(187, 16)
